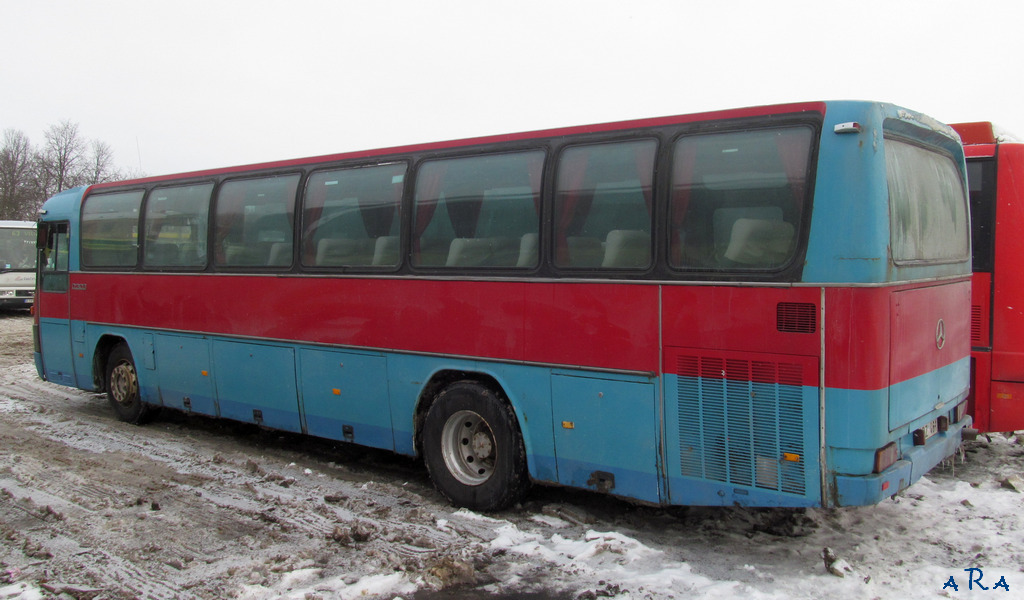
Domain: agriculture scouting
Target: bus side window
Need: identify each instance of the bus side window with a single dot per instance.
(176, 226)
(478, 211)
(603, 206)
(737, 198)
(350, 217)
(110, 229)
(253, 222)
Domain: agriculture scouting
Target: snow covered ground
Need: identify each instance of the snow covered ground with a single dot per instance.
(189, 507)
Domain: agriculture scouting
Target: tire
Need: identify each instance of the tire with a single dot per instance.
(123, 387)
(473, 449)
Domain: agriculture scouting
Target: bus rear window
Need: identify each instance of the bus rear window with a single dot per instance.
(927, 206)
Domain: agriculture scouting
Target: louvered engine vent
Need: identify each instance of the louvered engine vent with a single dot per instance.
(976, 337)
(737, 418)
(796, 317)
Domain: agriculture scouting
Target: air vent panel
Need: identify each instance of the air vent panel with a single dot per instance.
(977, 338)
(742, 420)
(796, 317)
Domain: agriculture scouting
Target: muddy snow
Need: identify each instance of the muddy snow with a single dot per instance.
(189, 507)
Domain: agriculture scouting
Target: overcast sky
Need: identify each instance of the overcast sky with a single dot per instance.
(182, 85)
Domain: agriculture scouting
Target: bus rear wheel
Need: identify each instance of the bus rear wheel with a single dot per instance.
(123, 387)
(473, 448)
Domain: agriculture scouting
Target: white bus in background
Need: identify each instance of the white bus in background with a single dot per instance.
(17, 263)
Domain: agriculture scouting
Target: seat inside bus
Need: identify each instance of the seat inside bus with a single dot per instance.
(358, 252)
(759, 242)
(489, 251)
(736, 229)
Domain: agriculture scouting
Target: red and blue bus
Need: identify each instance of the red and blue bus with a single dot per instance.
(995, 175)
(17, 263)
(766, 306)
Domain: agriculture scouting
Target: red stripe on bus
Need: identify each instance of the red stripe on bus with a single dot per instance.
(574, 324)
(594, 325)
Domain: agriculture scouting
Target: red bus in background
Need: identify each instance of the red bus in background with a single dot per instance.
(995, 173)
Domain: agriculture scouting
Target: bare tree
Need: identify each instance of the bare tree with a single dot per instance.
(62, 160)
(28, 176)
(18, 197)
(100, 165)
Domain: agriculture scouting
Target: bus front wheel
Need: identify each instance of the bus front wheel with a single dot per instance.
(123, 386)
(473, 448)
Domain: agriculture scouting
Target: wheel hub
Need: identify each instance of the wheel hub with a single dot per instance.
(467, 445)
(482, 444)
(124, 385)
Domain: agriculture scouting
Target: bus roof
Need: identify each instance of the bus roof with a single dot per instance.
(980, 132)
(756, 111)
(983, 132)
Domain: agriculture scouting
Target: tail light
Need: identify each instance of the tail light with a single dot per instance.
(886, 456)
(960, 412)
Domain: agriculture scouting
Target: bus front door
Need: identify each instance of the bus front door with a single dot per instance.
(52, 305)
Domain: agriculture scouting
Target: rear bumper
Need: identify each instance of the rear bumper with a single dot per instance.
(861, 490)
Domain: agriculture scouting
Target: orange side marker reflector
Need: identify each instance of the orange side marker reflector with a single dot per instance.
(568, 425)
(790, 457)
(205, 373)
(336, 391)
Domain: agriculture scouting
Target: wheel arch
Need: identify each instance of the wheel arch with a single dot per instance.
(101, 354)
(443, 378)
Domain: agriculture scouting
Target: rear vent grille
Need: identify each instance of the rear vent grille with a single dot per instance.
(976, 335)
(796, 317)
(741, 422)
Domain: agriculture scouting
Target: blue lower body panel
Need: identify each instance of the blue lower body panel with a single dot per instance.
(56, 363)
(606, 434)
(683, 440)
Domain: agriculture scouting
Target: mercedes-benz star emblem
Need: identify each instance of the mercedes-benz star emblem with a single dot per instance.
(940, 334)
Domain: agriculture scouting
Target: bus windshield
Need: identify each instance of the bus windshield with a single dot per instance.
(17, 248)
